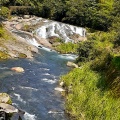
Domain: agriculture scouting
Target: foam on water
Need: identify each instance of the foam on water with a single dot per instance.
(15, 104)
(68, 56)
(33, 42)
(4, 68)
(55, 112)
(49, 81)
(57, 29)
(46, 49)
(46, 69)
(47, 74)
(19, 98)
(28, 116)
(29, 88)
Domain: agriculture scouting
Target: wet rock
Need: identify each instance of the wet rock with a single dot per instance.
(59, 89)
(7, 108)
(5, 98)
(17, 69)
(71, 64)
(26, 16)
(62, 84)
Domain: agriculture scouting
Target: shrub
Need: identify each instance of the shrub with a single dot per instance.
(67, 48)
(4, 11)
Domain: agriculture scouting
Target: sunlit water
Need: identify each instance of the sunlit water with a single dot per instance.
(33, 91)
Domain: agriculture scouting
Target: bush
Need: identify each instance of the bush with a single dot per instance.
(67, 48)
(4, 11)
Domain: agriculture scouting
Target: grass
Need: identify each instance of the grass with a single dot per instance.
(5, 37)
(93, 90)
(67, 48)
(88, 97)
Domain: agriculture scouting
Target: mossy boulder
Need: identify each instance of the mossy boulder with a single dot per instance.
(5, 98)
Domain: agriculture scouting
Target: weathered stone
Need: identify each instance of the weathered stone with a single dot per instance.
(8, 108)
(5, 98)
(71, 64)
(17, 69)
(26, 16)
(59, 89)
(61, 84)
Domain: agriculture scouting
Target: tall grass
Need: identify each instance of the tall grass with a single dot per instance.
(88, 97)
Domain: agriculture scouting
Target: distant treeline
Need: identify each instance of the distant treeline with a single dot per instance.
(96, 14)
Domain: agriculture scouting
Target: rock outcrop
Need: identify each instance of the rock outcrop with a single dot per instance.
(6, 108)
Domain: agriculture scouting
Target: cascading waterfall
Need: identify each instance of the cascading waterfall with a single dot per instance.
(57, 29)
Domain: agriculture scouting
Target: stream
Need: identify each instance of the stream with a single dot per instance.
(33, 91)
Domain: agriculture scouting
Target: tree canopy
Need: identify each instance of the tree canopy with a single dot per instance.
(96, 14)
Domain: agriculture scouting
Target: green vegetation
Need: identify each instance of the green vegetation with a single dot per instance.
(93, 90)
(4, 55)
(4, 11)
(96, 14)
(88, 97)
(22, 55)
(67, 48)
(1, 31)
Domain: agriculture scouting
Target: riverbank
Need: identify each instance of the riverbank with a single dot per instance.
(13, 46)
(93, 90)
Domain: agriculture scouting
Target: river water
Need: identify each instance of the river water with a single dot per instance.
(33, 91)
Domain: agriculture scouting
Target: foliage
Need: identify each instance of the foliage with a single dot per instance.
(22, 55)
(95, 14)
(4, 11)
(4, 55)
(88, 97)
(1, 31)
(67, 48)
(93, 90)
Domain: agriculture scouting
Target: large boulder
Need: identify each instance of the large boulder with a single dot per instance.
(17, 69)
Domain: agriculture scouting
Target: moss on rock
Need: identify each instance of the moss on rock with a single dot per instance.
(22, 55)
(4, 55)
(5, 98)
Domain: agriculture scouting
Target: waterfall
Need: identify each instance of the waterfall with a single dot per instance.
(64, 31)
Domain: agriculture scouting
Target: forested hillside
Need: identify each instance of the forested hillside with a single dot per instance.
(93, 89)
(96, 14)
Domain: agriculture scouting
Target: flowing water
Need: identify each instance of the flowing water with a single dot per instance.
(49, 28)
(33, 91)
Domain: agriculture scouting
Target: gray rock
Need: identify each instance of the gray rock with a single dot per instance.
(71, 64)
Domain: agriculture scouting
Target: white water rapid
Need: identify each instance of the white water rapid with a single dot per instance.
(49, 28)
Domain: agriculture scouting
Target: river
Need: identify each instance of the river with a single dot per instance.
(33, 91)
